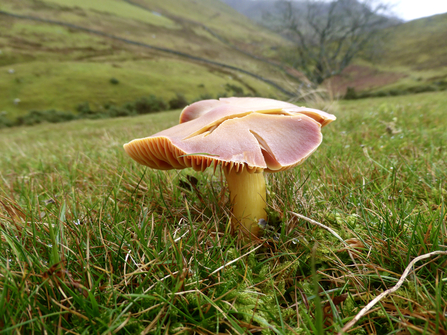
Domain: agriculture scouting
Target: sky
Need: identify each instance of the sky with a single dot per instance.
(415, 9)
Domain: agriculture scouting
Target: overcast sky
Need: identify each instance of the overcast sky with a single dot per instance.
(414, 9)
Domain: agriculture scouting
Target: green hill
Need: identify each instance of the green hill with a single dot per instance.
(413, 59)
(115, 51)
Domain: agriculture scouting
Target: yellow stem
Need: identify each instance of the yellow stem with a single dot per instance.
(247, 195)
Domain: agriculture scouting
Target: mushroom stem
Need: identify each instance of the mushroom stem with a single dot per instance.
(247, 195)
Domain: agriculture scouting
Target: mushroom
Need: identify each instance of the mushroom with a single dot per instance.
(246, 136)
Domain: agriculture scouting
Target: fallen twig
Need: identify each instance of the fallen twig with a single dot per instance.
(389, 291)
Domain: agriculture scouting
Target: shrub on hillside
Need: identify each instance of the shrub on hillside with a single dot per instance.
(115, 111)
(424, 88)
(33, 117)
(222, 95)
(84, 109)
(150, 104)
(5, 122)
(130, 108)
(55, 116)
(234, 90)
(431, 87)
(204, 96)
(351, 93)
(114, 81)
(86, 112)
(178, 102)
(52, 116)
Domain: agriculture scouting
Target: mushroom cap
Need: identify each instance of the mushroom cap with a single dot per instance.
(202, 107)
(253, 135)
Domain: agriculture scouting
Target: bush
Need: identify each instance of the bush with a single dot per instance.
(84, 109)
(114, 81)
(442, 84)
(222, 95)
(351, 93)
(115, 111)
(422, 89)
(33, 117)
(431, 87)
(5, 122)
(85, 112)
(145, 105)
(130, 107)
(204, 96)
(234, 90)
(148, 105)
(53, 116)
(178, 102)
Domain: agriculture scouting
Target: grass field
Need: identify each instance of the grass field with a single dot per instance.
(91, 242)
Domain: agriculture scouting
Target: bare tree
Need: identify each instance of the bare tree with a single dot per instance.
(329, 34)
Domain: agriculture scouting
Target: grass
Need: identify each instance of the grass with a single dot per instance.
(91, 242)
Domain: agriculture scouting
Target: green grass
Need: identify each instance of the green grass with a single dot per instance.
(91, 242)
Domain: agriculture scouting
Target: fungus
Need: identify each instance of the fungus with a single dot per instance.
(246, 136)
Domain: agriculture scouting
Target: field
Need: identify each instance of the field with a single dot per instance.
(92, 242)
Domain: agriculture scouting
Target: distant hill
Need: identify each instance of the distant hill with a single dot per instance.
(113, 51)
(413, 59)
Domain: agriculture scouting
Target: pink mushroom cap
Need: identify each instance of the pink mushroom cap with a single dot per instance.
(252, 134)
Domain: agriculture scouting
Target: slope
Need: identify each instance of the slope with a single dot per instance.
(45, 65)
(412, 59)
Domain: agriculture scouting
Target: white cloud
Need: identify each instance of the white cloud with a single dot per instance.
(414, 9)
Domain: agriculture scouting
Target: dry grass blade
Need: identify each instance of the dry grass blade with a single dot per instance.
(389, 291)
(322, 226)
(235, 260)
(153, 323)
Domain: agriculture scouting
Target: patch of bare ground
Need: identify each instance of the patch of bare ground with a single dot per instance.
(361, 78)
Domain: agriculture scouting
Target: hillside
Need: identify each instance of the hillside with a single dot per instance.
(413, 59)
(255, 10)
(114, 51)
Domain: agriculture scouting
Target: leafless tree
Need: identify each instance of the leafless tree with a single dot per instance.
(329, 34)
